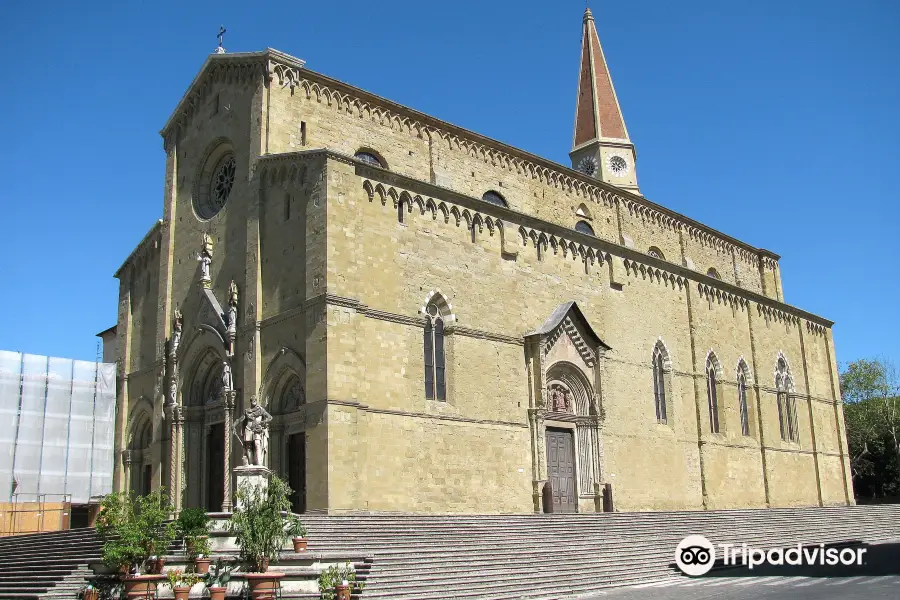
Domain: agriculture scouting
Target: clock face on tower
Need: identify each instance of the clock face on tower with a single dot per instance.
(588, 165)
(617, 164)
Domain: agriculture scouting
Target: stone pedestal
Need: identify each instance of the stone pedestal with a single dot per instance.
(253, 475)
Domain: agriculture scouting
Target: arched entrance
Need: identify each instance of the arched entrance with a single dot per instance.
(204, 427)
(565, 414)
(140, 460)
(572, 436)
(285, 399)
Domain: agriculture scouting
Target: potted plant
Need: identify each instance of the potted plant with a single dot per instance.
(260, 529)
(298, 532)
(181, 582)
(337, 583)
(217, 579)
(89, 592)
(133, 529)
(192, 526)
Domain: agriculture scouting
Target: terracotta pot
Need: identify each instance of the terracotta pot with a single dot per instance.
(217, 593)
(156, 565)
(91, 595)
(182, 593)
(342, 591)
(263, 565)
(141, 586)
(201, 565)
(264, 586)
(300, 544)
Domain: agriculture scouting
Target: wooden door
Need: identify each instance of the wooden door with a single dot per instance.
(561, 469)
(215, 468)
(147, 483)
(297, 471)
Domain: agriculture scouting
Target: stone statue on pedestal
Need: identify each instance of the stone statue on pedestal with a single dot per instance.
(177, 327)
(205, 259)
(252, 428)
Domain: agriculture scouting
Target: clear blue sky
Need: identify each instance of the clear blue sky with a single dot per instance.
(777, 122)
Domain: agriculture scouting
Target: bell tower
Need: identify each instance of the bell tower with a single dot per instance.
(601, 147)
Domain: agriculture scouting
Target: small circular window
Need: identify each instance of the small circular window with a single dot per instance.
(215, 182)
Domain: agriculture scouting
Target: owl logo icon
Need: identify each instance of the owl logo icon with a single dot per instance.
(695, 555)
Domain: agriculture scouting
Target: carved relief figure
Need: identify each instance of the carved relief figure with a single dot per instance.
(559, 399)
(232, 309)
(252, 428)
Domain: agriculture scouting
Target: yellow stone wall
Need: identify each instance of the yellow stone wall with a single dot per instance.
(340, 277)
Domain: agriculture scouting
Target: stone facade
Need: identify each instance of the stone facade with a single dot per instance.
(338, 261)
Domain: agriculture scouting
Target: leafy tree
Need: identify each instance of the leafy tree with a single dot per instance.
(871, 393)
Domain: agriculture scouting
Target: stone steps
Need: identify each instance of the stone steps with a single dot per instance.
(551, 556)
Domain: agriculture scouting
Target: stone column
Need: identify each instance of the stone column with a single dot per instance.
(126, 472)
(176, 443)
(229, 416)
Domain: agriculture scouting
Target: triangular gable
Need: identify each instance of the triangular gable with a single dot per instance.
(568, 318)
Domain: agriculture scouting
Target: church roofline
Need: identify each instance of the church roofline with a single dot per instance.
(437, 124)
(139, 247)
(519, 218)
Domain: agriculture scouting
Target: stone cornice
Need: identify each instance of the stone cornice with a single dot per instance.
(287, 71)
(514, 221)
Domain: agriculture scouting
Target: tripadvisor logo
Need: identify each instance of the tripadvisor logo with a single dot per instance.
(696, 555)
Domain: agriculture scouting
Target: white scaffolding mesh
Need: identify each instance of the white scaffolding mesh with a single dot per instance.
(57, 418)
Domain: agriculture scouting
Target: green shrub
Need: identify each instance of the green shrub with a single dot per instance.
(334, 576)
(258, 524)
(133, 528)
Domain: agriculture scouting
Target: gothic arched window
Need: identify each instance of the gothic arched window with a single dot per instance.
(584, 227)
(712, 395)
(742, 404)
(435, 364)
(656, 253)
(659, 385)
(787, 408)
(367, 156)
(494, 198)
(713, 273)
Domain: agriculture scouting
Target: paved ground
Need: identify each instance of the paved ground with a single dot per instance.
(877, 579)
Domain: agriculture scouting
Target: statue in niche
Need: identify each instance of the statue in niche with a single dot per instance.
(252, 428)
(177, 328)
(205, 259)
(232, 308)
(227, 377)
(559, 399)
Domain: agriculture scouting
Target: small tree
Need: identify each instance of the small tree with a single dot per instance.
(871, 393)
(193, 527)
(259, 522)
(134, 528)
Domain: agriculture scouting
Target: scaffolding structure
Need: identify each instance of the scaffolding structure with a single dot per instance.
(57, 422)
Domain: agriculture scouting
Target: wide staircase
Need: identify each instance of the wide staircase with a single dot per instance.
(493, 557)
(46, 565)
(555, 556)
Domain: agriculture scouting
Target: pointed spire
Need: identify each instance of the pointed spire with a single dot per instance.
(597, 113)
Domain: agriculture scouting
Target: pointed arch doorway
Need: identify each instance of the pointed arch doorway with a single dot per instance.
(566, 415)
(205, 460)
(284, 396)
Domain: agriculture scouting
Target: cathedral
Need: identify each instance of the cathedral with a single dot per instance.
(438, 322)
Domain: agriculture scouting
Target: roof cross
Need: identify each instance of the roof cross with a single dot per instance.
(221, 34)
